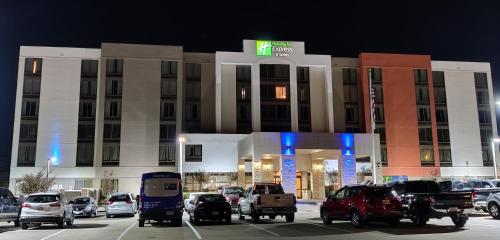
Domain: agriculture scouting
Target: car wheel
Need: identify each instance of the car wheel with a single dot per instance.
(177, 222)
(60, 223)
(290, 217)
(494, 210)
(255, 217)
(108, 216)
(272, 217)
(242, 217)
(419, 220)
(325, 218)
(24, 226)
(355, 218)
(141, 222)
(459, 220)
(17, 223)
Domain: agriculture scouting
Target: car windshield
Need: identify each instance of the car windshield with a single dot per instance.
(82, 200)
(42, 199)
(236, 191)
(119, 198)
(211, 198)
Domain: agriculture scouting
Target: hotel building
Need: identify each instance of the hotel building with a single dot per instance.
(102, 117)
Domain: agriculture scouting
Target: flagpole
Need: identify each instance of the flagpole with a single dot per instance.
(372, 121)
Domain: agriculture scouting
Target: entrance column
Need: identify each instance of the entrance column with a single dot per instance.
(241, 173)
(347, 160)
(289, 173)
(318, 179)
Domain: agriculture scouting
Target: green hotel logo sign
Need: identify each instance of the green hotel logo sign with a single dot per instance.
(273, 48)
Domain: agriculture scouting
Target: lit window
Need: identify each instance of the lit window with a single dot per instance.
(34, 66)
(243, 93)
(280, 92)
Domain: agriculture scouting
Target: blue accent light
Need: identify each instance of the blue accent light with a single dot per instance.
(347, 144)
(288, 140)
(54, 159)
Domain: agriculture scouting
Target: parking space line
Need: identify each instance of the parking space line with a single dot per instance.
(126, 230)
(53, 234)
(265, 230)
(329, 226)
(194, 230)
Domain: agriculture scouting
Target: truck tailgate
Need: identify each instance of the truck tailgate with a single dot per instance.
(453, 199)
(276, 200)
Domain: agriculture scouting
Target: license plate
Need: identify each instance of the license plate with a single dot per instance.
(78, 212)
(215, 213)
(386, 202)
(453, 209)
(169, 213)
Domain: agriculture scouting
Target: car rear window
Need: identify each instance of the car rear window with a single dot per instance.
(272, 189)
(42, 199)
(161, 187)
(82, 200)
(211, 198)
(378, 192)
(120, 198)
(233, 190)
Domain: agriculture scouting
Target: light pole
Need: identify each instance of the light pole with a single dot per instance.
(182, 140)
(493, 141)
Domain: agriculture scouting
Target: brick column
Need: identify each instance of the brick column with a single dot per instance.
(348, 169)
(318, 179)
(241, 173)
(288, 173)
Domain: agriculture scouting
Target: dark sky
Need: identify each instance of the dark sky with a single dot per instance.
(448, 30)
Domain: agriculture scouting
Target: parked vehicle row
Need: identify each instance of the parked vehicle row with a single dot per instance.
(480, 189)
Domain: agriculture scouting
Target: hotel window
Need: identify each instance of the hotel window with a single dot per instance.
(192, 111)
(113, 87)
(112, 108)
(26, 154)
(28, 131)
(379, 113)
(168, 109)
(168, 68)
(443, 135)
(110, 154)
(88, 87)
(379, 95)
(281, 92)
(424, 114)
(350, 93)
(425, 136)
(31, 85)
(445, 157)
(33, 66)
(305, 113)
(351, 113)
(350, 75)
(420, 75)
(243, 112)
(442, 115)
(304, 95)
(243, 99)
(486, 136)
(480, 79)
(87, 109)
(86, 131)
(167, 154)
(112, 131)
(426, 156)
(422, 93)
(193, 153)
(89, 68)
(381, 132)
(482, 96)
(383, 156)
(168, 87)
(243, 73)
(193, 71)
(167, 131)
(29, 107)
(440, 95)
(304, 99)
(85, 154)
(114, 66)
(487, 156)
(438, 77)
(193, 90)
(484, 116)
(376, 75)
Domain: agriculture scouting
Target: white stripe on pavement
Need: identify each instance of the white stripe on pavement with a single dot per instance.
(265, 230)
(53, 234)
(329, 226)
(126, 230)
(194, 230)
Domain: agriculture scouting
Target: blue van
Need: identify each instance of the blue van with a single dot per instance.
(161, 198)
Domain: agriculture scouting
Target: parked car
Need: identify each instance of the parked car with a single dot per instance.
(232, 195)
(493, 203)
(190, 198)
(360, 204)
(84, 206)
(40, 208)
(209, 207)
(10, 207)
(422, 200)
(267, 199)
(120, 204)
(480, 190)
(496, 182)
(161, 198)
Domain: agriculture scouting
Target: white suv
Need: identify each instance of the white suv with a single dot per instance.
(121, 203)
(41, 208)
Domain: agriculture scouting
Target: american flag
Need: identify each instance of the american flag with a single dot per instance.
(372, 98)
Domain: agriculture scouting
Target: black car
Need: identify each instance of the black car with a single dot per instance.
(9, 207)
(209, 207)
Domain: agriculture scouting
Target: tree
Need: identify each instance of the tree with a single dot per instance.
(33, 183)
(233, 176)
(201, 177)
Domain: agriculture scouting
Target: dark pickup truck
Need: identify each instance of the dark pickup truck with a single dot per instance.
(422, 200)
(480, 189)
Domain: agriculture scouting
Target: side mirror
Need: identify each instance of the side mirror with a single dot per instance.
(191, 202)
(71, 202)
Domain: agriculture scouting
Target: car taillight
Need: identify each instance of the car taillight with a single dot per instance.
(432, 200)
(26, 205)
(55, 205)
(228, 199)
(259, 201)
(109, 202)
(129, 201)
(474, 195)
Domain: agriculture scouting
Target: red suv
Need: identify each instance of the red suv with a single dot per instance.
(360, 204)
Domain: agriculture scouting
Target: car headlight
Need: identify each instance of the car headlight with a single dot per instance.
(88, 207)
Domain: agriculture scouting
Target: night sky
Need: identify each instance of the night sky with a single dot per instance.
(447, 30)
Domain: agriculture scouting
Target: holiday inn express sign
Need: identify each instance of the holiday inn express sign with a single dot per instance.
(273, 48)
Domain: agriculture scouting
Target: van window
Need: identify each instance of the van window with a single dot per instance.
(42, 199)
(161, 187)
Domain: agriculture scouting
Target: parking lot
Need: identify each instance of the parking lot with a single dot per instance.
(307, 225)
